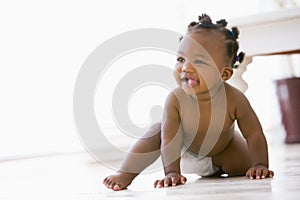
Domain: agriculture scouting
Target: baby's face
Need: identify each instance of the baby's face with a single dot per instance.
(199, 62)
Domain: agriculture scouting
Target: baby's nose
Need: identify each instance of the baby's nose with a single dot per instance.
(187, 67)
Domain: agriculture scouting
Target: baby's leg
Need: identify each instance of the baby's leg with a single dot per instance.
(143, 153)
(235, 160)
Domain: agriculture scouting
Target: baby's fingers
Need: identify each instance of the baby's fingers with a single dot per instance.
(251, 173)
(271, 174)
(182, 180)
(265, 174)
(175, 181)
(156, 183)
(159, 183)
(259, 173)
(168, 182)
(262, 173)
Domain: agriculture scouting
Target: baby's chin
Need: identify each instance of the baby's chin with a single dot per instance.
(190, 90)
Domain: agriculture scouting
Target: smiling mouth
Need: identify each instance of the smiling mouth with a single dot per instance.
(191, 82)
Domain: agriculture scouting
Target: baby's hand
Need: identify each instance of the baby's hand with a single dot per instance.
(259, 172)
(171, 179)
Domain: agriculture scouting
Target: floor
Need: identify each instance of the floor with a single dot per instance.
(78, 176)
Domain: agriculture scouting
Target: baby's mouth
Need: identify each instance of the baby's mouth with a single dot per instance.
(191, 82)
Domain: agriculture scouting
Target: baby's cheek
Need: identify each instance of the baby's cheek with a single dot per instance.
(177, 71)
(178, 68)
(176, 76)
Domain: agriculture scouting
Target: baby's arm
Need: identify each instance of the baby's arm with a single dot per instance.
(171, 141)
(253, 133)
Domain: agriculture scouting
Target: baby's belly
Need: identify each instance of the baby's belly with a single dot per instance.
(208, 144)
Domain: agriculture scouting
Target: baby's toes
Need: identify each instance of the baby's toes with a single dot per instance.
(116, 187)
(111, 185)
(106, 182)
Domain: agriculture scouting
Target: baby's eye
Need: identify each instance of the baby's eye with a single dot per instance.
(198, 62)
(180, 59)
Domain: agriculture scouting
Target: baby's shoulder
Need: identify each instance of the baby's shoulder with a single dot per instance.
(237, 99)
(233, 93)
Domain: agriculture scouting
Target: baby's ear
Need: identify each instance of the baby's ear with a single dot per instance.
(226, 73)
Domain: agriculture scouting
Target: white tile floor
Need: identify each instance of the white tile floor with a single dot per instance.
(78, 176)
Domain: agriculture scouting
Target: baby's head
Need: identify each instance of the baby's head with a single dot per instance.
(207, 54)
(228, 38)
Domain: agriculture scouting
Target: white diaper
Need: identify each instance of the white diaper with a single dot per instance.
(195, 164)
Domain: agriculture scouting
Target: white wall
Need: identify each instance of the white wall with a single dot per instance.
(44, 43)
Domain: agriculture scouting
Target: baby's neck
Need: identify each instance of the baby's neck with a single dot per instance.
(212, 94)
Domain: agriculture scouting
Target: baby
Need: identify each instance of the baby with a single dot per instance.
(197, 134)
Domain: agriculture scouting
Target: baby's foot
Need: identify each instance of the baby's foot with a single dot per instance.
(118, 181)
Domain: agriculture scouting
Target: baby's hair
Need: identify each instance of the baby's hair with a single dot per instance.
(230, 36)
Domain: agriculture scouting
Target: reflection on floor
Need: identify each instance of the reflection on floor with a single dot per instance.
(78, 176)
